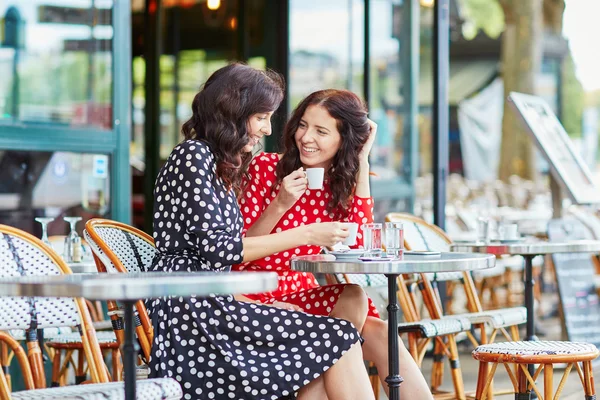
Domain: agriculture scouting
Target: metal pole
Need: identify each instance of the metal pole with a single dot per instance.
(409, 56)
(440, 123)
(393, 379)
(367, 54)
(129, 351)
(441, 66)
(152, 51)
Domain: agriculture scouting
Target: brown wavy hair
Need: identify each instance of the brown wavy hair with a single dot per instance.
(221, 111)
(350, 113)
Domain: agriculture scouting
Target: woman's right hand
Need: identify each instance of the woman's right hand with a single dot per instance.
(326, 233)
(293, 187)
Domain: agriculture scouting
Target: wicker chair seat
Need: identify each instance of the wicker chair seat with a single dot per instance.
(436, 327)
(501, 318)
(150, 389)
(542, 352)
(106, 339)
(102, 325)
(49, 333)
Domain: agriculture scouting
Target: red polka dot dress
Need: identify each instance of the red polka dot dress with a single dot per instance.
(300, 288)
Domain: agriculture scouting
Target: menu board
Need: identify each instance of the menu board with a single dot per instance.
(575, 277)
(566, 165)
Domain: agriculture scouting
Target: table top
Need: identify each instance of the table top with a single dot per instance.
(445, 262)
(529, 247)
(137, 286)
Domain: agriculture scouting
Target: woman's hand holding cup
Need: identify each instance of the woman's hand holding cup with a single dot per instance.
(327, 233)
(293, 187)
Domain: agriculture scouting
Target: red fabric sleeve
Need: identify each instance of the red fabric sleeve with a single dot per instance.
(257, 189)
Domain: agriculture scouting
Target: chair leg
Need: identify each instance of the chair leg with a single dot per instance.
(588, 377)
(437, 370)
(34, 353)
(548, 381)
(5, 363)
(457, 379)
(4, 388)
(481, 379)
(80, 376)
(116, 365)
(523, 389)
(374, 378)
(56, 360)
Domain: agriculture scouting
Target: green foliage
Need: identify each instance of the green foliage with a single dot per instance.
(486, 15)
(573, 99)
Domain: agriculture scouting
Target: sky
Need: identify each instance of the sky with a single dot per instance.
(581, 26)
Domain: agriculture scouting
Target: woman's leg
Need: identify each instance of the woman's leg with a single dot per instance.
(347, 379)
(352, 305)
(375, 349)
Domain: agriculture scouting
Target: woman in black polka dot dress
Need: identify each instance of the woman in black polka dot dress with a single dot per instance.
(218, 347)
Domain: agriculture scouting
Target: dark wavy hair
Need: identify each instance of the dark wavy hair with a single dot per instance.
(352, 123)
(221, 111)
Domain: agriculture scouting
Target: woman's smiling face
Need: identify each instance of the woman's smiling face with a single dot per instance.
(317, 138)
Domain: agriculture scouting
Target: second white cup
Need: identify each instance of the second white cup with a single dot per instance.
(508, 232)
(352, 230)
(315, 177)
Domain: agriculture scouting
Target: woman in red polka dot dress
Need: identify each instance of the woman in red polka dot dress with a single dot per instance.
(329, 129)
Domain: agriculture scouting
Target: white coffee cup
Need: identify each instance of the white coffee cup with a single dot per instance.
(315, 177)
(508, 232)
(352, 231)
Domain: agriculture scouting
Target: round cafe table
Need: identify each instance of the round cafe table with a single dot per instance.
(129, 288)
(408, 264)
(529, 249)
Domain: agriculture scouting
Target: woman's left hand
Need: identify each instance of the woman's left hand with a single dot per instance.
(364, 153)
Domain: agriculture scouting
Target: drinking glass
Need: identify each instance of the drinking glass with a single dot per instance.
(45, 221)
(72, 252)
(372, 239)
(483, 229)
(394, 239)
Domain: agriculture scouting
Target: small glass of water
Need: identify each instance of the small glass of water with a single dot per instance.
(372, 239)
(483, 229)
(394, 239)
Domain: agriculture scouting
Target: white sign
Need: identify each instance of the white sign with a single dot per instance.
(566, 165)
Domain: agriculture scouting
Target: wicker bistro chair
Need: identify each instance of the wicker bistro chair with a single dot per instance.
(148, 389)
(121, 248)
(419, 235)
(151, 389)
(58, 338)
(544, 353)
(22, 254)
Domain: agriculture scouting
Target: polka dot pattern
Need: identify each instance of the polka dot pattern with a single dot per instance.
(310, 208)
(216, 347)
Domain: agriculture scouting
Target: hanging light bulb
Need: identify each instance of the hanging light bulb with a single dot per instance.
(213, 4)
(427, 3)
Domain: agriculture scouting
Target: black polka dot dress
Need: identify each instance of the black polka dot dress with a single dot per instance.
(216, 347)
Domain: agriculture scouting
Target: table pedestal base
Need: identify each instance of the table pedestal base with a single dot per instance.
(529, 304)
(393, 380)
(129, 351)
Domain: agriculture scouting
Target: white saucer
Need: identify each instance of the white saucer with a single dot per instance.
(347, 254)
(506, 241)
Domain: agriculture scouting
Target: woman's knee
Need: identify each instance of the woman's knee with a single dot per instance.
(355, 295)
(353, 305)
